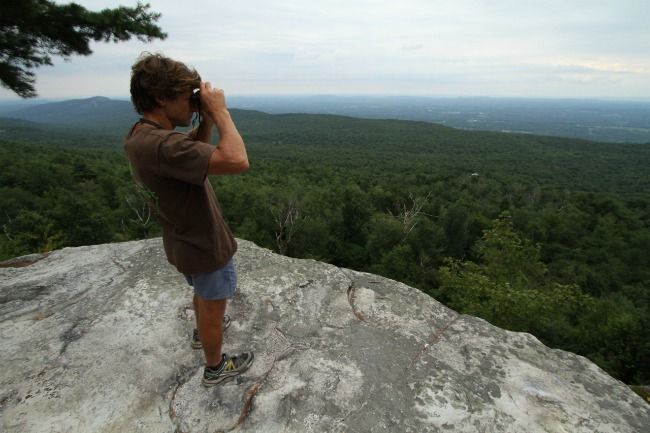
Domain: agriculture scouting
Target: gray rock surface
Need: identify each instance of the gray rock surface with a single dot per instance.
(97, 339)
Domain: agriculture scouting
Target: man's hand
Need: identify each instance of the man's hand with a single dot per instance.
(213, 100)
(230, 156)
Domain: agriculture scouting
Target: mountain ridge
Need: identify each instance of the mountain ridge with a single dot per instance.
(402, 144)
(75, 111)
(512, 119)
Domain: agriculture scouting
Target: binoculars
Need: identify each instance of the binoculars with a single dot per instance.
(195, 100)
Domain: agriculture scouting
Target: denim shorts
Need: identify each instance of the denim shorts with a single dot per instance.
(215, 285)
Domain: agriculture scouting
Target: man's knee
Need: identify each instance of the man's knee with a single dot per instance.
(211, 307)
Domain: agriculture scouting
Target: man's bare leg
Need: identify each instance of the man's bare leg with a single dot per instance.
(195, 301)
(209, 319)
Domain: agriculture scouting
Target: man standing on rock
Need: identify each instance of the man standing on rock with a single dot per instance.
(170, 168)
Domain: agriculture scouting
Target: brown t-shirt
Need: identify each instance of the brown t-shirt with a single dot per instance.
(171, 171)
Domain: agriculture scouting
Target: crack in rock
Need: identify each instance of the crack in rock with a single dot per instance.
(251, 392)
(73, 333)
(23, 262)
(434, 339)
(118, 264)
(351, 293)
(248, 402)
(182, 377)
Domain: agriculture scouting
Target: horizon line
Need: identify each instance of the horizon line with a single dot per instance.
(347, 95)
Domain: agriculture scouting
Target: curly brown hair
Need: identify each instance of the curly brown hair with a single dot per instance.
(157, 76)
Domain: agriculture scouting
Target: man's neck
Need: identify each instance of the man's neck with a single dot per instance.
(158, 117)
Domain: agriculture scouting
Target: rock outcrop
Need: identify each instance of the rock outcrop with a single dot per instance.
(97, 339)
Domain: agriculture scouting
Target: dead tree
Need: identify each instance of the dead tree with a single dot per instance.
(142, 212)
(408, 213)
(287, 216)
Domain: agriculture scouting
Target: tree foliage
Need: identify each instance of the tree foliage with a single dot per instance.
(567, 261)
(31, 31)
(509, 285)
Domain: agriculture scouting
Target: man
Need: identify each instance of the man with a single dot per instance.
(171, 169)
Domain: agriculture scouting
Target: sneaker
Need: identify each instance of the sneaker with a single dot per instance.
(230, 367)
(196, 342)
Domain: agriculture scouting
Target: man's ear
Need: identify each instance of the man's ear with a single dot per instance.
(160, 101)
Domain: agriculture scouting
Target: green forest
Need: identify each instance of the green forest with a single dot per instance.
(539, 234)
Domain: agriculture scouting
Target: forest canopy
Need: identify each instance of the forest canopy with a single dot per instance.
(537, 234)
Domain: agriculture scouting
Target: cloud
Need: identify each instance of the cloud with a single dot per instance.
(502, 47)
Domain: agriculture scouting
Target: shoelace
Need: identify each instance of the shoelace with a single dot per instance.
(230, 365)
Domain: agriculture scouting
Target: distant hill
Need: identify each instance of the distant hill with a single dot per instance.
(110, 116)
(97, 112)
(615, 121)
(595, 120)
(96, 122)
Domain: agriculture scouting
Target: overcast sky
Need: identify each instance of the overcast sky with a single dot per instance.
(539, 48)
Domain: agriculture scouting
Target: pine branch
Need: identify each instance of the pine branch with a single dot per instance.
(31, 31)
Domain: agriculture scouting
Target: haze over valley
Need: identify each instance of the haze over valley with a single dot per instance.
(605, 120)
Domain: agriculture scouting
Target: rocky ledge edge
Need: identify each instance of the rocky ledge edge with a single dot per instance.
(96, 338)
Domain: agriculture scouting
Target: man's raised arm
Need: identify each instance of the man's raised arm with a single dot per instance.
(230, 157)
